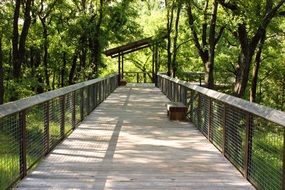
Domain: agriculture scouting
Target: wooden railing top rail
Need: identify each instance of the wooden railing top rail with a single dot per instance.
(268, 113)
(19, 105)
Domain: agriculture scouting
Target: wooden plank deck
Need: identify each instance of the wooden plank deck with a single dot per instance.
(128, 143)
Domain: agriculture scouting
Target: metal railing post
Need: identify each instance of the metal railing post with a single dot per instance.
(248, 144)
(210, 114)
(88, 100)
(73, 110)
(81, 104)
(199, 113)
(46, 127)
(224, 126)
(191, 105)
(62, 117)
(23, 144)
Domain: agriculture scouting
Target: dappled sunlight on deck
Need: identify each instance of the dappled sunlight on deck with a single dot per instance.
(128, 143)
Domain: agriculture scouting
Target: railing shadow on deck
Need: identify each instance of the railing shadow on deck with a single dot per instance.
(32, 127)
(249, 135)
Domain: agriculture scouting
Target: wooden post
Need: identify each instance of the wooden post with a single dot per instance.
(62, 117)
(153, 60)
(46, 127)
(23, 144)
(138, 77)
(248, 144)
(156, 65)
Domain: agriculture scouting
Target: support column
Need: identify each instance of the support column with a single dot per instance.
(153, 60)
(156, 65)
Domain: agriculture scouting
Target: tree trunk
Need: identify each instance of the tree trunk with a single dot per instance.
(15, 57)
(24, 33)
(249, 45)
(39, 88)
(209, 66)
(256, 67)
(175, 48)
(72, 70)
(63, 69)
(170, 12)
(19, 44)
(283, 94)
(45, 47)
(1, 73)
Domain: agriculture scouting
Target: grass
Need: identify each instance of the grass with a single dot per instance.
(10, 144)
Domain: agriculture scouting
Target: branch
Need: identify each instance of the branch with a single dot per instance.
(281, 13)
(183, 43)
(220, 34)
(229, 5)
(264, 23)
(191, 24)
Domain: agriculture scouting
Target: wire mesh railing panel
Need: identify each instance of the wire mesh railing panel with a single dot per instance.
(265, 163)
(216, 131)
(35, 134)
(9, 150)
(85, 102)
(235, 136)
(196, 110)
(68, 106)
(92, 97)
(30, 128)
(101, 92)
(204, 115)
(54, 121)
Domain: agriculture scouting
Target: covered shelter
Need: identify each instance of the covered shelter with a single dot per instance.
(120, 51)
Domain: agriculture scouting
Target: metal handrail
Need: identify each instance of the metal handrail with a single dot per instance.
(30, 128)
(19, 105)
(250, 136)
(265, 112)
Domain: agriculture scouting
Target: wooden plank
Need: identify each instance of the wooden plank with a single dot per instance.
(128, 143)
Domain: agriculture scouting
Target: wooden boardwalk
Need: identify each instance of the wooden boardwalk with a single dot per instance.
(128, 143)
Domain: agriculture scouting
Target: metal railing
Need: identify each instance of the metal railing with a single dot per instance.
(32, 127)
(138, 77)
(249, 135)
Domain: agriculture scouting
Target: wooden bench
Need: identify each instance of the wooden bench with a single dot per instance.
(176, 111)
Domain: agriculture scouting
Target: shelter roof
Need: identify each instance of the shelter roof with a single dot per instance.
(128, 48)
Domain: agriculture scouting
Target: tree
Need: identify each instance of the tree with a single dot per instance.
(172, 47)
(209, 37)
(249, 33)
(19, 41)
(44, 13)
(1, 72)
